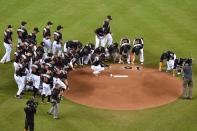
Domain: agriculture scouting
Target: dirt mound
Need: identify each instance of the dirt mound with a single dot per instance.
(142, 88)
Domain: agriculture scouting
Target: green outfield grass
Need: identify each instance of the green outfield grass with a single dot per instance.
(164, 24)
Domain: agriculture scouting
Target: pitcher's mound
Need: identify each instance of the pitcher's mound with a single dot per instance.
(132, 89)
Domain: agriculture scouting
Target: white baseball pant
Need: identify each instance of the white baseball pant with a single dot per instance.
(47, 46)
(57, 48)
(36, 81)
(97, 69)
(46, 89)
(170, 64)
(6, 57)
(20, 81)
(99, 40)
(108, 39)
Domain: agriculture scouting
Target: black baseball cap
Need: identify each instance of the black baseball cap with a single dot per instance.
(36, 29)
(49, 23)
(10, 26)
(59, 27)
(23, 23)
(109, 17)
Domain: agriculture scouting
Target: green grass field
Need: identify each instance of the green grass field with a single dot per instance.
(164, 24)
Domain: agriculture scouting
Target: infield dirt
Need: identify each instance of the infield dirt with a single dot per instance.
(144, 88)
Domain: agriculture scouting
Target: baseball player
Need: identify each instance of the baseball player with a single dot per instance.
(32, 35)
(72, 45)
(7, 44)
(107, 32)
(97, 65)
(35, 76)
(85, 54)
(57, 44)
(125, 48)
(187, 79)
(47, 38)
(138, 49)
(170, 57)
(55, 101)
(20, 75)
(99, 37)
(46, 87)
(22, 33)
(60, 78)
(113, 51)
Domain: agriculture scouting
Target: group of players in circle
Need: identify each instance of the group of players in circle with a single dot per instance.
(46, 66)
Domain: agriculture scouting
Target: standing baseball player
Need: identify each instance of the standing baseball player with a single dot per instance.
(22, 33)
(7, 44)
(55, 101)
(46, 85)
(107, 31)
(187, 79)
(33, 37)
(99, 37)
(170, 57)
(138, 49)
(57, 44)
(35, 76)
(47, 38)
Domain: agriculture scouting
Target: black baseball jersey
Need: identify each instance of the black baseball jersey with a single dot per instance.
(55, 94)
(85, 51)
(168, 55)
(106, 27)
(125, 48)
(99, 32)
(99, 50)
(21, 71)
(62, 75)
(33, 38)
(46, 33)
(139, 43)
(97, 62)
(57, 36)
(22, 33)
(7, 37)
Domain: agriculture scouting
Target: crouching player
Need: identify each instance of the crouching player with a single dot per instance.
(125, 48)
(97, 65)
(170, 57)
(138, 49)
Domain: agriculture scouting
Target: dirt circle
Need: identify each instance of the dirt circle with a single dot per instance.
(144, 88)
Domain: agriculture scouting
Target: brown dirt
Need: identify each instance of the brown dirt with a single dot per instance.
(142, 89)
